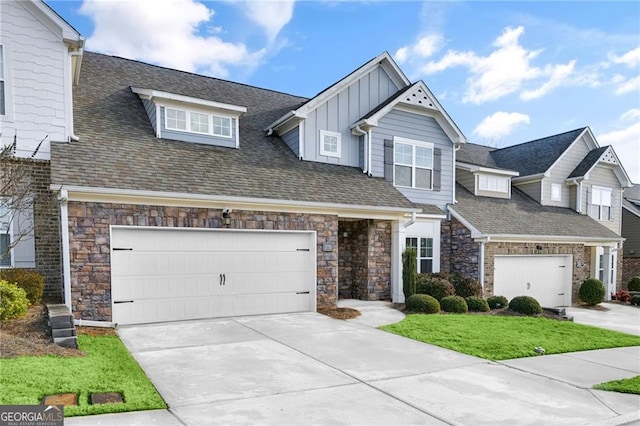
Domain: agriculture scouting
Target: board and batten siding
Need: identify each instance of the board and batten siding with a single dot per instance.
(604, 177)
(292, 139)
(339, 112)
(196, 137)
(559, 172)
(422, 128)
(466, 179)
(150, 108)
(35, 61)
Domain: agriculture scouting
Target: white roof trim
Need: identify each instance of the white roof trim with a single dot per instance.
(157, 94)
(618, 170)
(473, 168)
(475, 232)
(44, 13)
(593, 145)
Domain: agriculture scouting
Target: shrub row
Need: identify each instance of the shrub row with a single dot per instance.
(19, 288)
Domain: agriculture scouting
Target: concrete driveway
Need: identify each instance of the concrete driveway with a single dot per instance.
(307, 368)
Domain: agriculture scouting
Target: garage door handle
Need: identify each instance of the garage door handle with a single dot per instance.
(223, 279)
(302, 292)
(122, 249)
(122, 301)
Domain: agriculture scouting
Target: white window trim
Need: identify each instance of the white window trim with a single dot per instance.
(418, 257)
(413, 143)
(338, 136)
(506, 179)
(8, 90)
(559, 187)
(591, 203)
(8, 231)
(188, 122)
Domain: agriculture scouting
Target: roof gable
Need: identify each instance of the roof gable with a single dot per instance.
(605, 155)
(53, 21)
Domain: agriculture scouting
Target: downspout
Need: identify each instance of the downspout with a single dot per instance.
(369, 139)
(412, 221)
(78, 53)
(456, 148)
(66, 261)
(359, 132)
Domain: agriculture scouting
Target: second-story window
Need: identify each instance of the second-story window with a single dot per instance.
(196, 122)
(2, 90)
(600, 207)
(493, 183)
(413, 164)
(330, 143)
(556, 192)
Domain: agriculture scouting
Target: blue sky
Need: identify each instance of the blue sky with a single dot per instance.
(506, 72)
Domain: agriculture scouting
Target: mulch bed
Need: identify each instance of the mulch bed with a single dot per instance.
(340, 313)
(31, 336)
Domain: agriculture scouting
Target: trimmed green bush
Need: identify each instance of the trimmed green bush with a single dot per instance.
(592, 291)
(477, 304)
(13, 301)
(635, 300)
(497, 302)
(423, 304)
(634, 284)
(465, 286)
(525, 305)
(434, 286)
(409, 272)
(28, 280)
(454, 304)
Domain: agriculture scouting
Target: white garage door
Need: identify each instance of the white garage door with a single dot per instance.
(546, 278)
(169, 274)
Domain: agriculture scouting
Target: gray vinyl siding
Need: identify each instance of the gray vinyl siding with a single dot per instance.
(198, 138)
(339, 112)
(559, 172)
(150, 108)
(419, 127)
(573, 193)
(466, 179)
(361, 152)
(292, 139)
(604, 177)
(531, 189)
(631, 231)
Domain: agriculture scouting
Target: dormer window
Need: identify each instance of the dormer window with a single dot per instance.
(196, 122)
(493, 183)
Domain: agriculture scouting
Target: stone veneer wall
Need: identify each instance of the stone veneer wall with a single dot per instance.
(90, 246)
(459, 253)
(630, 269)
(46, 214)
(579, 252)
(365, 260)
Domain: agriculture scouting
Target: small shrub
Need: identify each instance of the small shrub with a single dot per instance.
(622, 296)
(28, 280)
(422, 303)
(497, 302)
(525, 305)
(635, 300)
(409, 272)
(634, 284)
(465, 286)
(13, 301)
(477, 304)
(434, 286)
(455, 304)
(592, 291)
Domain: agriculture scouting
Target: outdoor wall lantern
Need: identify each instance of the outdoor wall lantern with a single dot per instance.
(226, 217)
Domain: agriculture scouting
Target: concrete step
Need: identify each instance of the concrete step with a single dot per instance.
(67, 342)
(63, 332)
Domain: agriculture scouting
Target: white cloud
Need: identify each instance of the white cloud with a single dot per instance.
(630, 85)
(271, 15)
(164, 33)
(500, 124)
(630, 59)
(506, 70)
(624, 140)
(423, 48)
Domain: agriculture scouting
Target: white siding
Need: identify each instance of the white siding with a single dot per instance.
(604, 177)
(466, 179)
(342, 110)
(531, 189)
(35, 81)
(561, 170)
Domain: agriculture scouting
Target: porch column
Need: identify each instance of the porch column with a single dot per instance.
(397, 245)
(607, 268)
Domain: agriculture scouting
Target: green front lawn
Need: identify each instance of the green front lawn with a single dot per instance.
(107, 367)
(631, 385)
(496, 337)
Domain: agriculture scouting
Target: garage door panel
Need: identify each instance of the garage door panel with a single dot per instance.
(184, 274)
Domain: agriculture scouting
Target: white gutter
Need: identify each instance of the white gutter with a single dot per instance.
(77, 54)
(66, 261)
(359, 132)
(370, 141)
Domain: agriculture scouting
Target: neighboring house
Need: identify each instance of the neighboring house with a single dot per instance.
(538, 218)
(631, 232)
(39, 60)
(189, 196)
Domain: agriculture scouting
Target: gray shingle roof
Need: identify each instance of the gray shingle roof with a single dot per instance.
(631, 199)
(521, 215)
(118, 147)
(479, 155)
(429, 209)
(588, 162)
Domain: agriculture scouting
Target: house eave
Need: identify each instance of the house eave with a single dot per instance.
(473, 168)
(524, 238)
(530, 178)
(152, 94)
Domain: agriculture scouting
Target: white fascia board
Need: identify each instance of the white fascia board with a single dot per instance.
(618, 170)
(384, 60)
(431, 216)
(130, 196)
(630, 207)
(530, 178)
(473, 168)
(288, 121)
(559, 239)
(53, 21)
(475, 232)
(152, 94)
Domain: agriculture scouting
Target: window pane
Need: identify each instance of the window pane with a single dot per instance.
(222, 126)
(424, 157)
(426, 266)
(1, 62)
(412, 243)
(403, 154)
(596, 196)
(605, 213)
(429, 247)
(403, 176)
(605, 199)
(176, 119)
(5, 216)
(423, 178)
(330, 144)
(199, 122)
(4, 247)
(2, 108)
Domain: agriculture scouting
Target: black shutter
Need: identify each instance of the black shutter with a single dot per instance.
(437, 169)
(388, 160)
